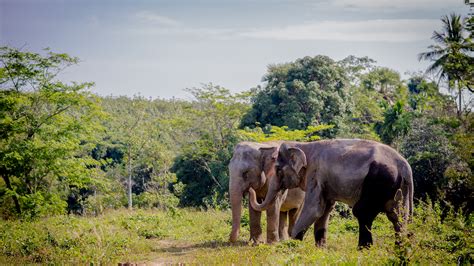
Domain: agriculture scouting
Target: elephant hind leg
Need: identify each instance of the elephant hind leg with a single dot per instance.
(378, 189)
(283, 226)
(365, 214)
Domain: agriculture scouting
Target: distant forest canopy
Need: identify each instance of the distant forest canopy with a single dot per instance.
(65, 150)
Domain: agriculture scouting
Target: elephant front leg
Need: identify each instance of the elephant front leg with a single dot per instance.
(273, 219)
(283, 226)
(321, 225)
(255, 226)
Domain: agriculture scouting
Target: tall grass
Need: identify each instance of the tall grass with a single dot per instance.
(193, 236)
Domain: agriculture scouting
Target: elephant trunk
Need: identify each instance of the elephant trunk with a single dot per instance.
(272, 193)
(308, 216)
(313, 208)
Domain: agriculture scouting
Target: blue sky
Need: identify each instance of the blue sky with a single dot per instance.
(159, 48)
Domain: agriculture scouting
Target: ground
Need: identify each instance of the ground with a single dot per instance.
(155, 237)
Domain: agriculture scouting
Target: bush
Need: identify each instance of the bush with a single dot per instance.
(438, 172)
(155, 200)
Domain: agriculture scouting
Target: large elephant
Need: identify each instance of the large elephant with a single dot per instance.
(368, 176)
(251, 167)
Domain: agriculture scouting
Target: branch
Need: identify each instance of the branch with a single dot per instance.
(57, 112)
(208, 169)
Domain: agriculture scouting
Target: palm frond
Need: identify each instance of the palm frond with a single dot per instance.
(435, 53)
(439, 37)
(436, 65)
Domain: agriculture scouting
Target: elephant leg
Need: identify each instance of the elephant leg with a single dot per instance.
(321, 225)
(365, 215)
(255, 226)
(283, 226)
(293, 215)
(273, 219)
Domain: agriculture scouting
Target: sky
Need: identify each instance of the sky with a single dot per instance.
(159, 48)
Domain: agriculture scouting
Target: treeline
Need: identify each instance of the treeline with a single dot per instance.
(66, 150)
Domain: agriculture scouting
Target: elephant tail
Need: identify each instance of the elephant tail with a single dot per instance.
(408, 190)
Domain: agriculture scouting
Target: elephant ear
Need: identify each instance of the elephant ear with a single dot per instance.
(297, 159)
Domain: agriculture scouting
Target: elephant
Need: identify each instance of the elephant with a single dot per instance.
(251, 167)
(369, 176)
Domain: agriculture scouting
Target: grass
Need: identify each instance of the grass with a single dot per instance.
(192, 236)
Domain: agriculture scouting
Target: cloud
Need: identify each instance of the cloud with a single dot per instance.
(383, 30)
(153, 18)
(390, 5)
(217, 33)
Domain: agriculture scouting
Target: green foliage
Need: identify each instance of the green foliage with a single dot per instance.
(281, 133)
(47, 131)
(138, 144)
(438, 172)
(202, 165)
(382, 79)
(356, 67)
(396, 122)
(307, 92)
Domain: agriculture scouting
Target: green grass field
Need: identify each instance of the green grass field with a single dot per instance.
(192, 236)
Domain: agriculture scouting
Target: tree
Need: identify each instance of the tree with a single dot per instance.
(438, 171)
(281, 133)
(396, 122)
(451, 56)
(133, 133)
(47, 131)
(141, 144)
(201, 166)
(356, 67)
(381, 79)
(307, 92)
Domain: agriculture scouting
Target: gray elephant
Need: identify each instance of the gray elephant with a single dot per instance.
(251, 167)
(368, 176)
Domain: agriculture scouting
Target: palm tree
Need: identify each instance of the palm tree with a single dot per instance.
(451, 55)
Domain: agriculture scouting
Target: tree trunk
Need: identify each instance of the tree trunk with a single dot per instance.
(459, 101)
(14, 197)
(129, 179)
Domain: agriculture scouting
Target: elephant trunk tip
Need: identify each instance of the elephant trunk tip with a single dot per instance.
(253, 200)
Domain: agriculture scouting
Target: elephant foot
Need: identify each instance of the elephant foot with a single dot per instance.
(320, 237)
(256, 240)
(321, 243)
(233, 238)
(272, 237)
(363, 246)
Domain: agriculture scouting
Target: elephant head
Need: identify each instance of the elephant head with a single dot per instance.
(290, 173)
(250, 167)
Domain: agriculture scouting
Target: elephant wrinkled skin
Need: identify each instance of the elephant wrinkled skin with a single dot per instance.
(253, 166)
